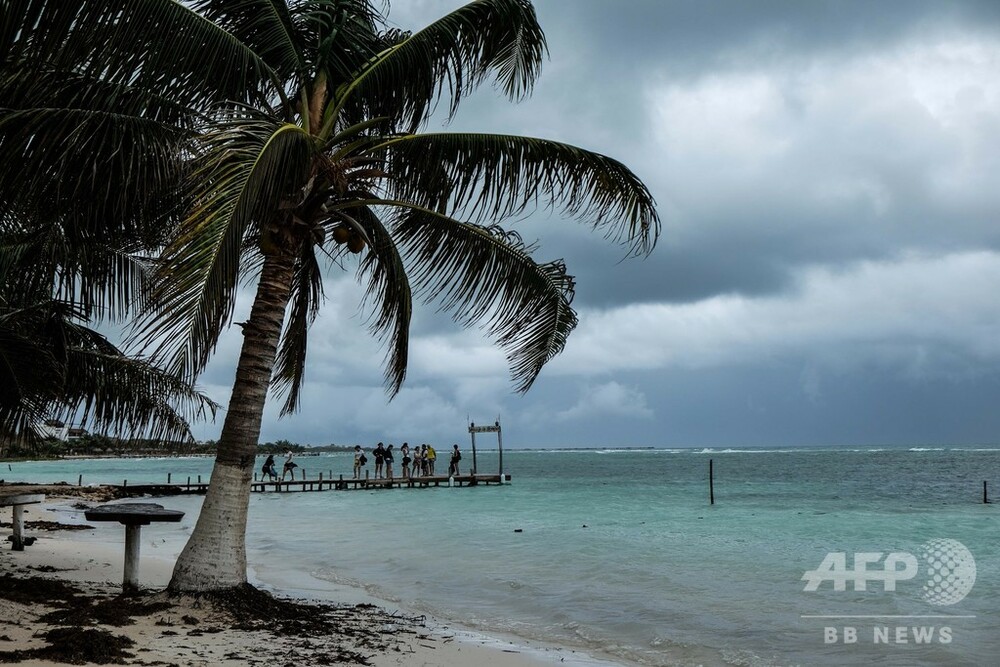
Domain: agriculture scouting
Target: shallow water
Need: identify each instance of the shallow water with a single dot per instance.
(621, 552)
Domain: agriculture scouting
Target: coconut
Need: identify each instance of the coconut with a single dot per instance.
(356, 244)
(342, 234)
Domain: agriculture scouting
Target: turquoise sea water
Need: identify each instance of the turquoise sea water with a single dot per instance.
(621, 553)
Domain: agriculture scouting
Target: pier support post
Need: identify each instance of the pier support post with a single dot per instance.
(986, 498)
(79, 480)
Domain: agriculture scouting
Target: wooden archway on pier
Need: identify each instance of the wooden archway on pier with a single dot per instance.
(494, 428)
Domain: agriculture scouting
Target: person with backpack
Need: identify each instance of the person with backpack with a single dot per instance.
(360, 460)
(389, 458)
(379, 454)
(289, 467)
(456, 456)
(405, 450)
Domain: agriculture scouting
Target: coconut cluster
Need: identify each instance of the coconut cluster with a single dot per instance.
(346, 234)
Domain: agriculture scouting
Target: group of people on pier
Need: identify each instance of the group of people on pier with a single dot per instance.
(269, 471)
(416, 462)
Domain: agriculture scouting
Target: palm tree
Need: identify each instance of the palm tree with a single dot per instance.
(313, 153)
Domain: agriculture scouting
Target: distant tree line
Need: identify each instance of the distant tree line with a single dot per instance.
(102, 445)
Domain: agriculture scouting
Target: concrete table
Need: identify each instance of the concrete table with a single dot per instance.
(18, 501)
(133, 516)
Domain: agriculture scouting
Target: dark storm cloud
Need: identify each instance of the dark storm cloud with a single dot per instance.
(859, 174)
(631, 35)
(826, 174)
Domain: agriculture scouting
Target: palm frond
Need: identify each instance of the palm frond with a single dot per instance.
(388, 294)
(306, 297)
(105, 279)
(498, 176)
(85, 167)
(346, 34)
(485, 275)
(27, 377)
(265, 26)
(130, 396)
(160, 46)
(459, 51)
(250, 166)
(53, 365)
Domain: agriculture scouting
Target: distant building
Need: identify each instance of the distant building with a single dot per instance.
(53, 428)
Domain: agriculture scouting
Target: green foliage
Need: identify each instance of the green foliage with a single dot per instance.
(52, 365)
(97, 445)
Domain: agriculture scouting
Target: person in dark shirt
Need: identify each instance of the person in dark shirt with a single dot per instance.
(268, 469)
(379, 454)
(388, 456)
(405, 450)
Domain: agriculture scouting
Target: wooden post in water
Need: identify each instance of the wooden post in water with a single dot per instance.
(189, 483)
(472, 431)
(168, 478)
(199, 479)
(79, 481)
(711, 483)
(986, 498)
(500, 445)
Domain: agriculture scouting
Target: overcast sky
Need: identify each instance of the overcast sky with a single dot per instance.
(828, 176)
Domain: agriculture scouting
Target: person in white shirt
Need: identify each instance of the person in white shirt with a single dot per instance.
(289, 467)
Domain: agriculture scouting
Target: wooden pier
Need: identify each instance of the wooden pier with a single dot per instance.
(330, 484)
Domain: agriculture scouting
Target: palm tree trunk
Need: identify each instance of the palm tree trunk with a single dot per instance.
(215, 555)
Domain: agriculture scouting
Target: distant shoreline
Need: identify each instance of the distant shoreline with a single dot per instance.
(695, 449)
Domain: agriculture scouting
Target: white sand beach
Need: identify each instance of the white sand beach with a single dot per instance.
(189, 631)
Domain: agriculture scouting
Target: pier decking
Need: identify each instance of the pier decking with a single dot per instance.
(320, 484)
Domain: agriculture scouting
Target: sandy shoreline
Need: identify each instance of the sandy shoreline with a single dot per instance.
(190, 632)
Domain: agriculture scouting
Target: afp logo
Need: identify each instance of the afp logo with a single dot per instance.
(950, 571)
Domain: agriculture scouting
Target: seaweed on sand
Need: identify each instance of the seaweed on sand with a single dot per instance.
(76, 646)
(303, 633)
